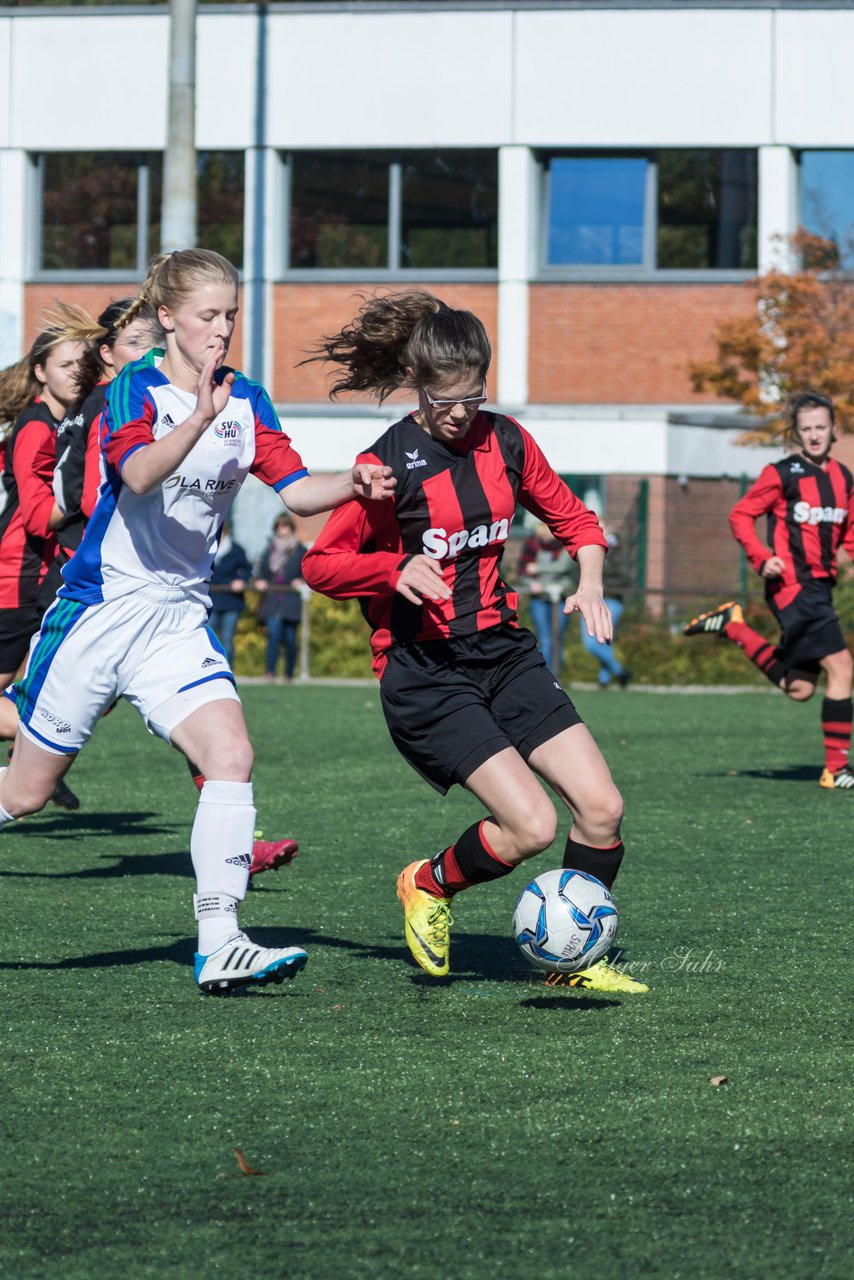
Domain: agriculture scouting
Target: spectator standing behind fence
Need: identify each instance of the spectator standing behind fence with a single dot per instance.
(551, 575)
(231, 574)
(278, 578)
(617, 582)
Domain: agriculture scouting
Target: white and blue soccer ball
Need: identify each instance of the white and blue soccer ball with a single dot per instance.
(565, 920)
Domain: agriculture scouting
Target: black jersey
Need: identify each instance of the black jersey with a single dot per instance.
(72, 441)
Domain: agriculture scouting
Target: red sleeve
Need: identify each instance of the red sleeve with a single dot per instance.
(760, 498)
(92, 468)
(848, 535)
(358, 553)
(551, 500)
(33, 462)
(276, 461)
(120, 441)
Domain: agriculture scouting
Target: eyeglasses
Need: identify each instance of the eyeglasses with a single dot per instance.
(468, 402)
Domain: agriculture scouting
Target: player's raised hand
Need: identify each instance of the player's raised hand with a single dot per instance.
(589, 602)
(421, 579)
(373, 482)
(212, 397)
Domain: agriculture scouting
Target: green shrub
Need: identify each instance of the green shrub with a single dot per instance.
(654, 649)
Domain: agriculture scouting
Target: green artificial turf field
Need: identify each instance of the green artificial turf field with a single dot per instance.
(487, 1126)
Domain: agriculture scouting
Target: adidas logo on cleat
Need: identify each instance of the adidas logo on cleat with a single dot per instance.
(242, 860)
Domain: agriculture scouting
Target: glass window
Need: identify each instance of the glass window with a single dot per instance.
(339, 210)
(89, 212)
(601, 211)
(382, 211)
(707, 206)
(827, 194)
(596, 211)
(101, 211)
(449, 210)
(221, 187)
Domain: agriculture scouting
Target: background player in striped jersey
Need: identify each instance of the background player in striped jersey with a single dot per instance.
(466, 694)
(34, 394)
(179, 437)
(808, 498)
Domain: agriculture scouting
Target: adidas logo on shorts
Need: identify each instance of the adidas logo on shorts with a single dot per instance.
(212, 662)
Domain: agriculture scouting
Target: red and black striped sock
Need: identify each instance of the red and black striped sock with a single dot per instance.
(601, 863)
(469, 861)
(836, 717)
(760, 651)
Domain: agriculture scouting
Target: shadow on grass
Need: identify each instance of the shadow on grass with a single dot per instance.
(797, 773)
(119, 866)
(70, 826)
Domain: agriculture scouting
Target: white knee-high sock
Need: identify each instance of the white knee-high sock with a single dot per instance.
(221, 850)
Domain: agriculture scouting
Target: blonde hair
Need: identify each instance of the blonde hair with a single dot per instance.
(172, 277)
(399, 331)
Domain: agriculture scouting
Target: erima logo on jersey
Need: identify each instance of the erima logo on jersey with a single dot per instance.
(803, 513)
(415, 461)
(200, 486)
(441, 545)
(230, 432)
(796, 469)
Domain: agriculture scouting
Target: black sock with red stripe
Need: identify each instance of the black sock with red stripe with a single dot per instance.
(760, 651)
(836, 717)
(601, 863)
(470, 861)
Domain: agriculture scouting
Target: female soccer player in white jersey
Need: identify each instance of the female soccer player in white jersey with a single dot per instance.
(179, 438)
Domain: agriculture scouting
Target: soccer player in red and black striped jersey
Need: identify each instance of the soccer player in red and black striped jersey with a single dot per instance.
(808, 498)
(466, 694)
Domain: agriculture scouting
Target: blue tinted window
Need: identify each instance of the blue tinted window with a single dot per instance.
(827, 193)
(596, 210)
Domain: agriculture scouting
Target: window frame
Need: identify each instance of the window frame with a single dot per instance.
(380, 275)
(646, 272)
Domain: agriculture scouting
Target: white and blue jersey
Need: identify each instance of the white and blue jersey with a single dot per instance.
(168, 536)
(130, 619)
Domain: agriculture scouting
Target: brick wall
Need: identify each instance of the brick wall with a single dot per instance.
(303, 313)
(94, 297)
(624, 343)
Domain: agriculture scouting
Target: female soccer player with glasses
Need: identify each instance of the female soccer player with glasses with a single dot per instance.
(466, 694)
(179, 437)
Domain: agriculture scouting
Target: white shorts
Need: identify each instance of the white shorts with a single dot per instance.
(155, 652)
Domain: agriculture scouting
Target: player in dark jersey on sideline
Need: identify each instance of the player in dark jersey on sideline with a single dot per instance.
(808, 498)
(34, 394)
(466, 694)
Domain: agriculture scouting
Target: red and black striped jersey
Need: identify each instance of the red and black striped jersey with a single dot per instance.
(810, 512)
(28, 546)
(455, 504)
(76, 438)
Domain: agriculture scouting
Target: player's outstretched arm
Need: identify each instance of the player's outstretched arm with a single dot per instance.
(313, 494)
(589, 600)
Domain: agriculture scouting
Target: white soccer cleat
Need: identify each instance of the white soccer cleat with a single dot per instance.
(241, 962)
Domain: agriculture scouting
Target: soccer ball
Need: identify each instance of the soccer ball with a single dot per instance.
(565, 920)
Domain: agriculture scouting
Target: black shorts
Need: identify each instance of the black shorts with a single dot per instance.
(450, 705)
(18, 626)
(811, 628)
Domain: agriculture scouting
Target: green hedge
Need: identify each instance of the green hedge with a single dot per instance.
(653, 649)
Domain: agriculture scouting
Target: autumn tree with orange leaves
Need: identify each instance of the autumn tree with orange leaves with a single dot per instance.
(799, 337)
